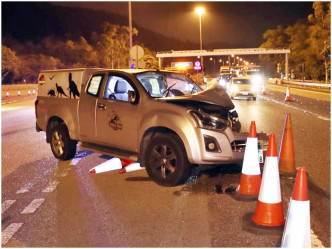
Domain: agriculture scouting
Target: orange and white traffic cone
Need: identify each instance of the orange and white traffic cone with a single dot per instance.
(112, 164)
(286, 153)
(297, 229)
(269, 210)
(125, 162)
(250, 180)
(131, 167)
(287, 98)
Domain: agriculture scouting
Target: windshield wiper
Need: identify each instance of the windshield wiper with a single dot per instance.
(168, 89)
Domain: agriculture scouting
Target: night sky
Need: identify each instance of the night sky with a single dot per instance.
(229, 22)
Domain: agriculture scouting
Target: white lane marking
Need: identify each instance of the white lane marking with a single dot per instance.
(8, 233)
(75, 161)
(32, 207)
(315, 242)
(24, 189)
(6, 205)
(296, 108)
(51, 187)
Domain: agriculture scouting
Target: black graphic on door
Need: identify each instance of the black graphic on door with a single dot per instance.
(115, 122)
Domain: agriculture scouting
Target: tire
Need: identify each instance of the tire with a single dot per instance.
(166, 160)
(62, 146)
(254, 98)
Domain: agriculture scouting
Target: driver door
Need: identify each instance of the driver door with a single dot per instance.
(116, 117)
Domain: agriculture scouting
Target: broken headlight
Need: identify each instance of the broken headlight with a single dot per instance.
(210, 122)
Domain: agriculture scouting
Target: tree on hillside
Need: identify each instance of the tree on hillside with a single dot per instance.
(298, 45)
(309, 42)
(150, 59)
(275, 38)
(320, 39)
(34, 63)
(10, 64)
(112, 46)
(79, 54)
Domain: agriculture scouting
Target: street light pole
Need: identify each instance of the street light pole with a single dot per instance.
(200, 11)
(130, 32)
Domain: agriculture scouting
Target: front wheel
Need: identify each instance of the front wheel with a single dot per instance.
(62, 146)
(166, 160)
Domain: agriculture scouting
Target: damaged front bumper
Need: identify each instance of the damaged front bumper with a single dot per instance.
(225, 148)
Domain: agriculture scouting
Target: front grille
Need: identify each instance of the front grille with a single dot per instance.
(238, 145)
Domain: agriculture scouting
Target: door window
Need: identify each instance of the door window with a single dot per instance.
(94, 85)
(117, 88)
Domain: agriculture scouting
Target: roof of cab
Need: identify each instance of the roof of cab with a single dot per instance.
(130, 71)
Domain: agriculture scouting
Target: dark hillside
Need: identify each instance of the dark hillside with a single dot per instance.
(35, 20)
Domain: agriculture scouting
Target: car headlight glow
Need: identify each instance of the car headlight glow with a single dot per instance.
(257, 79)
(234, 88)
(255, 88)
(209, 122)
(222, 82)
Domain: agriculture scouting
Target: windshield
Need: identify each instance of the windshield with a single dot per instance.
(241, 81)
(165, 84)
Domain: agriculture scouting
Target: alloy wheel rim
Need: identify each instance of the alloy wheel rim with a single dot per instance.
(57, 142)
(164, 160)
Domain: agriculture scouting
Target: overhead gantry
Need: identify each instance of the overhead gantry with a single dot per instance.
(227, 52)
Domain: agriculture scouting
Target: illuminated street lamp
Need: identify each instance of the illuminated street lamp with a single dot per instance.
(214, 62)
(200, 11)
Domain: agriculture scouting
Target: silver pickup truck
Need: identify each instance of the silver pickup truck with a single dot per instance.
(161, 119)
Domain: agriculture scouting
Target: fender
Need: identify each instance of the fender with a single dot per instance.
(176, 121)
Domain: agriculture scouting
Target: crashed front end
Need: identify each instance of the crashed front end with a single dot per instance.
(216, 138)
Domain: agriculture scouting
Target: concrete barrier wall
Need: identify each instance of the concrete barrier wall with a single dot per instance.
(18, 89)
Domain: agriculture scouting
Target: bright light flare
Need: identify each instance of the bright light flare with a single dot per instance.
(257, 79)
(234, 88)
(200, 11)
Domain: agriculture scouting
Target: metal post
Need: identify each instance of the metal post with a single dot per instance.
(159, 60)
(200, 38)
(286, 66)
(130, 32)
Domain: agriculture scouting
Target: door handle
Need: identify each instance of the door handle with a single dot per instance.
(102, 106)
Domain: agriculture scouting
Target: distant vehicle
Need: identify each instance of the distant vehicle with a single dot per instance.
(224, 79)
(224, 69)
(243, 88)
(256, 77)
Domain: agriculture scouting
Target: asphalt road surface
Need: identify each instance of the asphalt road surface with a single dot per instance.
(50, 203)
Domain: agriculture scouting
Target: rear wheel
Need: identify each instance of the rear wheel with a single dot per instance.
(62, 146)
(166, 160)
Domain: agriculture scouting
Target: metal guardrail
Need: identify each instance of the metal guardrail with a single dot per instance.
(304, 84)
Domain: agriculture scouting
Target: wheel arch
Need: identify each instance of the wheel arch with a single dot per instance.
(54, 120)
(150, 133)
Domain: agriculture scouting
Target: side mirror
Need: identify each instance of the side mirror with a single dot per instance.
(132, 96)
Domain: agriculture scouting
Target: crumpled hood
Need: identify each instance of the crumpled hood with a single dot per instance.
(209, 96)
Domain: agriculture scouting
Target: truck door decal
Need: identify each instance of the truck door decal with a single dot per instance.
(41, 80)
(59, 90)
(72, 87)
(115, 122)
